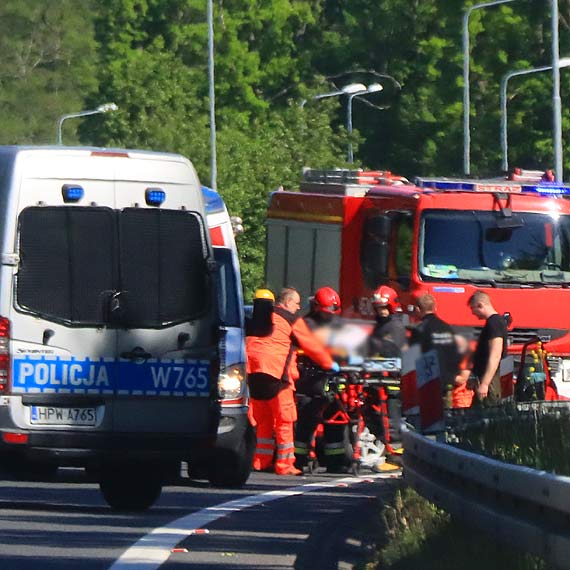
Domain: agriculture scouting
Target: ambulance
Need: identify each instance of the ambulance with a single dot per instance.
(109, 326)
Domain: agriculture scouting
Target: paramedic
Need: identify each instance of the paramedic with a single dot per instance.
(272, 371)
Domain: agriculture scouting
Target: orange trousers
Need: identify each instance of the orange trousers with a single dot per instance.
(275, 419)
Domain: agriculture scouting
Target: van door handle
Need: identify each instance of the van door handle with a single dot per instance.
(137, 353)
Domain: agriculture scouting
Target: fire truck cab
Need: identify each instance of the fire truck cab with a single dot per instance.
(355, 230)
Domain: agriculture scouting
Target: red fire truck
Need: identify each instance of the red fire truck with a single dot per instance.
(354, 230)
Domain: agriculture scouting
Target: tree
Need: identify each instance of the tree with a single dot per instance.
(47, 66)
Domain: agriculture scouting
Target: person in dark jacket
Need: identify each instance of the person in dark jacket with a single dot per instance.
(433, 333)
(325, 307)
(389, 335)
(388, 340)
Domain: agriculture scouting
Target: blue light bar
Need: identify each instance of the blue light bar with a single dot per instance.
(548, 189)
(443, 184)
(72, 193)
(154, 196)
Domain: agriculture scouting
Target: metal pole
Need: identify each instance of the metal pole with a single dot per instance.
(504, 82)
(466, 101)
(466, 94)
(211, 94)
(557, 119)
(349, 129)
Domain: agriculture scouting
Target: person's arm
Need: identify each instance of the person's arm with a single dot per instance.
(493, 362)
(311, 345)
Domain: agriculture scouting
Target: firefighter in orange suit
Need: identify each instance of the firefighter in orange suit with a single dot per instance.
(272, 372)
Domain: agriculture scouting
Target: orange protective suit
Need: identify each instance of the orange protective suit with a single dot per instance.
(275, 357)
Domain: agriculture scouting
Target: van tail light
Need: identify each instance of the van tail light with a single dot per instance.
(4, 354)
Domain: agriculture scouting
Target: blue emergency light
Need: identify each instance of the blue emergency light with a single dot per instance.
(548, 189)
(72, 193)
(154, 196)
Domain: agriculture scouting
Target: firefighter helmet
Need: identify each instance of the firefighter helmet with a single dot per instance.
(264, 294)
(386, 297)
(326, 300)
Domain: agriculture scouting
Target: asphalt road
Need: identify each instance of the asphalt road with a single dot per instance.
(320, 522)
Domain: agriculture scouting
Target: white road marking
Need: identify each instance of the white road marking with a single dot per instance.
(153, 549)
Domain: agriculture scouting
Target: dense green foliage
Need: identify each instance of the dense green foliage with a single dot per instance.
(150, 57)
(416, 534)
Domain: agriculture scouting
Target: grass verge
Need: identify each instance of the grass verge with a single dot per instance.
(418, 535)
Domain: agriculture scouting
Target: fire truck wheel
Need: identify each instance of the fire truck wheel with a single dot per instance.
(127, 489)
(231, 468)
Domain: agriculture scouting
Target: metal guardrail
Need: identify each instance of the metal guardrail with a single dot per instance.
(519, 505)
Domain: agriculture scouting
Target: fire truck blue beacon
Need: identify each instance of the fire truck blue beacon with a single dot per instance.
(110, 328)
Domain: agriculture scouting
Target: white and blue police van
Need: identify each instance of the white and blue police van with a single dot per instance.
(232, 455)
(109, 326)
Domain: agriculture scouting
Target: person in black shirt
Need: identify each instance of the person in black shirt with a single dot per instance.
(491, 348)
(432, 333)
(388, 338)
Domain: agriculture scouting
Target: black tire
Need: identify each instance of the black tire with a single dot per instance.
(230, 468)
(128, 489)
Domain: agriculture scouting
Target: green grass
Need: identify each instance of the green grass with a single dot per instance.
(417, 535)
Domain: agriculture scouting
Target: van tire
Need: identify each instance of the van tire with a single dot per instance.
(230, 468)
(130, 490)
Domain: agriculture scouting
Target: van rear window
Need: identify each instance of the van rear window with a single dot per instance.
(73, 260)
(67, 262)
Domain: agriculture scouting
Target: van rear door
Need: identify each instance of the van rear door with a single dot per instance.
(167, 324)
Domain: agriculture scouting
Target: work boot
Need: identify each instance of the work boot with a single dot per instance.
(289, 471)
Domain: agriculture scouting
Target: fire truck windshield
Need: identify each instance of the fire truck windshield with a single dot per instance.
(478, 246)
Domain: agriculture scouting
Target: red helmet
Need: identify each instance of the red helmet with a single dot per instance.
(386, 297)
(327, 300)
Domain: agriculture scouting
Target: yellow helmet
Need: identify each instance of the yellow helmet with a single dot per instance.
(264, 294)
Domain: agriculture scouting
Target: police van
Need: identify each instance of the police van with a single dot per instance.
(230, 460)
(109, 332)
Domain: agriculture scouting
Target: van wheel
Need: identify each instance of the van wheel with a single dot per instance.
(231, 467)
(130, 491)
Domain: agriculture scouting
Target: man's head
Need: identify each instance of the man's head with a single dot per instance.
(480, 305)
(385, 301)
(289, 299)
(326, 300)
(425, 304)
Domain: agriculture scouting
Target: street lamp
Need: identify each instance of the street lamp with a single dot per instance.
(106, 108)
(556, 104)
(564, 62)
(466, 102)
(211, 97)
(372, 88)
(351, 90)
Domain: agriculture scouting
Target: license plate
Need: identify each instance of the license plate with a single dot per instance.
(54, 416)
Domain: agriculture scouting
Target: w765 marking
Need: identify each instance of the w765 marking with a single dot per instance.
(179, 377)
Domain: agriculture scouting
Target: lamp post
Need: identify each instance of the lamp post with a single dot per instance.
(106, 108)
(372, 88)
(565, 62)
(466, 101)
(211, 97)
(351, 90)
(556, 105)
